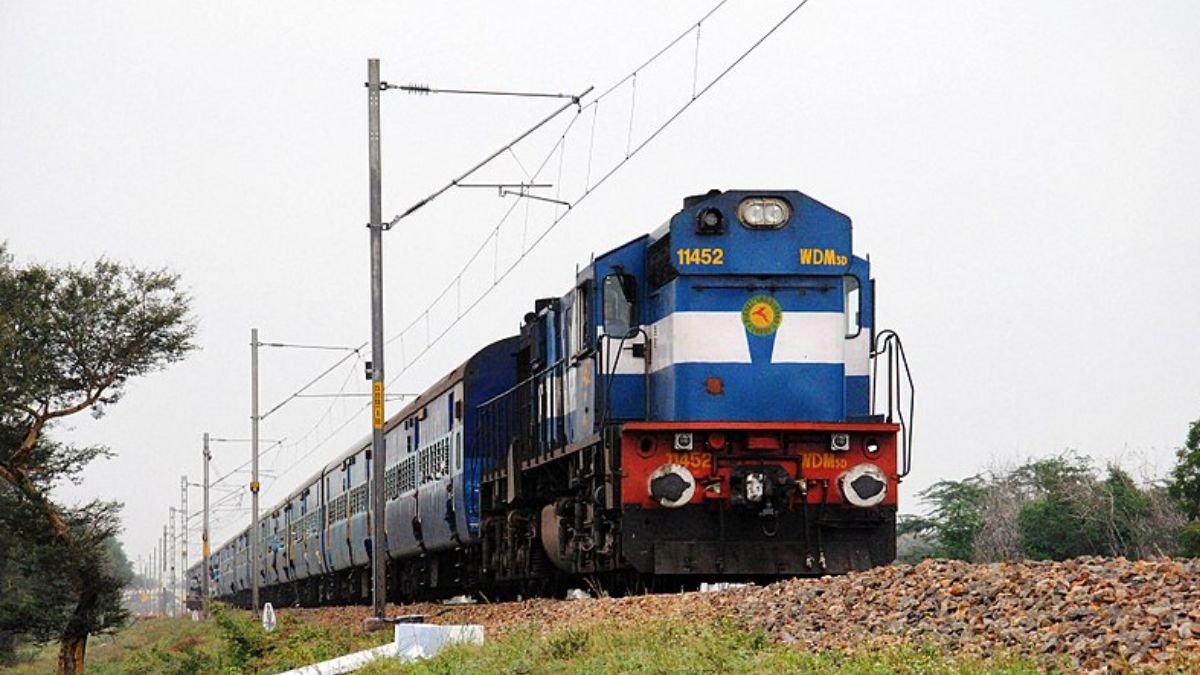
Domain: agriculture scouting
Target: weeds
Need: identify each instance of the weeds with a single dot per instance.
(671, 647)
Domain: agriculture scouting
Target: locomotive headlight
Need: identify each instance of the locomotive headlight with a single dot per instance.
(764, 213)
(672, 485)
(710, 221)
(864, 485)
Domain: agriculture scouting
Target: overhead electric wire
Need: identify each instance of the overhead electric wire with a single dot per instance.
(320, 419)
(426, 89)
(280, 444)
(589, 187)
(456, 282)
(243, 465)
(486, 161)
(313, 381)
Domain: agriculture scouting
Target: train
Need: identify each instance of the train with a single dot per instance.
(709, 401)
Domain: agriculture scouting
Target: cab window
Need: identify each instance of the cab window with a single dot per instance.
(618, 305)
(581, 321)
(853, 303)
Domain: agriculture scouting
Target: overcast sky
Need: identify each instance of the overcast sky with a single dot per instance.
(1023, 176)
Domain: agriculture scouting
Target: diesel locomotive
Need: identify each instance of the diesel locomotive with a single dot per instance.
(710, 401)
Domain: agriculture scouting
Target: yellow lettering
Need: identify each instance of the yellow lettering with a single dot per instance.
(822, 256)
(823, 460)
(377, 405)
(700, 256)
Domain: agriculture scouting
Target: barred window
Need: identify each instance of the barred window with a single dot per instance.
(391, 481)
(408, 475)
(358, 499)
(441, 457)
(337, 509)
(422, 465)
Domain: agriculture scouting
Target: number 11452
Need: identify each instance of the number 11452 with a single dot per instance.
(701, 256)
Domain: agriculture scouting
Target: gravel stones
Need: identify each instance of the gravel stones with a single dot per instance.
(1087, 614)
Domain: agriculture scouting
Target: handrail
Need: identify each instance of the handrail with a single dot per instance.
(522, 383)
(510, 420)
(888, 344)
(603, 370)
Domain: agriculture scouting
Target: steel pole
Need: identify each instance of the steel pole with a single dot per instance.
(183, 532)
(378, 453)
(174, 587)
(162, 575)
(204, 532)
(254, 541)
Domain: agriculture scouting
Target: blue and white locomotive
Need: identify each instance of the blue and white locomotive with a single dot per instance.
(700, 405)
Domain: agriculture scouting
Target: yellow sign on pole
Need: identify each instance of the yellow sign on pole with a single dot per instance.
(377, 404)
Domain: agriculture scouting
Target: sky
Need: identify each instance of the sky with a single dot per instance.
(1023, 176)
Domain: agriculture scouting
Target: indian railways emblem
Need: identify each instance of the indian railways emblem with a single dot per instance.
(761, 315)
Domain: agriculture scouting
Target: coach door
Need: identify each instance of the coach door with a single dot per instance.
(581, 376)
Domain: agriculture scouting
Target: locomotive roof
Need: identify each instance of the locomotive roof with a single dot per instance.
(694, 202)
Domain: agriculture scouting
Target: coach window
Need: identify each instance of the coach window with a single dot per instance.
(853, 298)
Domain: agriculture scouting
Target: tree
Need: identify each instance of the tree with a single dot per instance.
(915, 539)
(70, 339)
(955, 518)
(1184, 486)
(1052, 521)
(1049, 509)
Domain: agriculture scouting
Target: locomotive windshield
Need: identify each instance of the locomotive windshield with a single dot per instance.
(618, 306)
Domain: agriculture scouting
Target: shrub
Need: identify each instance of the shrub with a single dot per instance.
(1046, 509)
(1189, 540)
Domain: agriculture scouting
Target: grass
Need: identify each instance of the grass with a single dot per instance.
(234, 642)
(670, 647)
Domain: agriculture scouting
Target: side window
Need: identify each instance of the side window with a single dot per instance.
(619, 307)
(581, 320)
(458, 452)
(853, 297)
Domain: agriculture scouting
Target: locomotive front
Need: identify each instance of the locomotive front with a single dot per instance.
(748, 443)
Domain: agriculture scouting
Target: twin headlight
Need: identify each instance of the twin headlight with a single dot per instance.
(756, 213)
(764, 213)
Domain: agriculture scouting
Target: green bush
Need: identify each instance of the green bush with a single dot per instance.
(1184, 485)
(955, 520)
(245, 638)
(1050, 531)
(1045, 509)
(1189, 540)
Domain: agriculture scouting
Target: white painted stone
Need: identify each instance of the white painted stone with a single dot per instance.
(412, 641)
